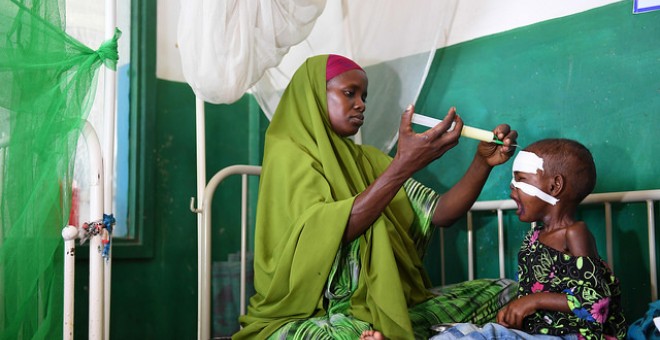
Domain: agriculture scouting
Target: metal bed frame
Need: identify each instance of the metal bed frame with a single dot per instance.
(496, 206)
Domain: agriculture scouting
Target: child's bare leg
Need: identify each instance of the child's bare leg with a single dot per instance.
(372, 335)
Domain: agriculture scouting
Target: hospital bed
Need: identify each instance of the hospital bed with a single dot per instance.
(607, 205)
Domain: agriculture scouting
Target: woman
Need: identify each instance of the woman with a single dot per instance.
(338, 243)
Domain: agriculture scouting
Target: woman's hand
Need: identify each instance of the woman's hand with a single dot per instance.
(495, 154)
(417, 150)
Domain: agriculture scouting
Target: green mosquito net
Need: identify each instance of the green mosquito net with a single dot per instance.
(47, 81)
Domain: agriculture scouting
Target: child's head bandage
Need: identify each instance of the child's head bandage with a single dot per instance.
(529, 162)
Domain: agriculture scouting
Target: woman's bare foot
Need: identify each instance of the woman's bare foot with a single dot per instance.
(372, 335)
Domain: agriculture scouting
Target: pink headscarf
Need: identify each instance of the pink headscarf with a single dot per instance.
(337, 65)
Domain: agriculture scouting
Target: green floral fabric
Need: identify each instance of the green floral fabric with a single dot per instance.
(592, 291)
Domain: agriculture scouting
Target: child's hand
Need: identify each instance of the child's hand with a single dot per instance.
(512, 315)
(495, 154)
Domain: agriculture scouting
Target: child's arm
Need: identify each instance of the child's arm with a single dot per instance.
(453, 204)
(514, 312)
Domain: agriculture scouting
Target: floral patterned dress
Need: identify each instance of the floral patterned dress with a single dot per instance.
(592, 291)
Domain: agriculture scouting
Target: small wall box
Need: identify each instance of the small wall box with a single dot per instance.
(643, 6)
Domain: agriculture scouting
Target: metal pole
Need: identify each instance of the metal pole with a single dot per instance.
(69, 234)
(204, 235)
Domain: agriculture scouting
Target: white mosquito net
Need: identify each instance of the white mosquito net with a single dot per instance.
(230, 47)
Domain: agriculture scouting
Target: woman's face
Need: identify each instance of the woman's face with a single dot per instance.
(347, 100)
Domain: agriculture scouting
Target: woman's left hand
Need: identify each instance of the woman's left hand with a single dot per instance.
(495, 154)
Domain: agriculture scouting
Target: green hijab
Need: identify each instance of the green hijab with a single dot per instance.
(310, 178)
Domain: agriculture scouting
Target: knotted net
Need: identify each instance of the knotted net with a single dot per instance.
(48, 80)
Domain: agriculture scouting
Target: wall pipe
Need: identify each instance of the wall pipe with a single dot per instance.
(110, 122)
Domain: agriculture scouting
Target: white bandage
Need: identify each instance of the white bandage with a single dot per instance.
(534, 191)
(529, 162)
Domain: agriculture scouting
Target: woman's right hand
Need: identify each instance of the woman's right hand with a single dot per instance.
(417, 150)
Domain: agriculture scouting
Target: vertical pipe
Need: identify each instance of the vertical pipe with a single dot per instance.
(109, 102)
(500, 240)
(244, 178)
(470, 246)
(96, 282)
(652, 262)
(203, 232)
(608, 235)
(69, 234)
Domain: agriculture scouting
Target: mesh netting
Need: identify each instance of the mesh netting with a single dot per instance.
(48, 79)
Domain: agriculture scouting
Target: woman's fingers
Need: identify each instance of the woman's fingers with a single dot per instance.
(419, 149)
(406, 120)
(449, 124)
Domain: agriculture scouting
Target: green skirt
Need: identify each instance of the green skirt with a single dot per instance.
(475, 301)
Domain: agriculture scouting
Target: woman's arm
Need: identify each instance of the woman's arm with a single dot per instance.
(453, 204)
(414, 152)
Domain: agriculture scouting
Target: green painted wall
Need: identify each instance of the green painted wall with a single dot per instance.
(594, 77)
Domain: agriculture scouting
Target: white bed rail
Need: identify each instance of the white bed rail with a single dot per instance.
(497, 206)
(97, 266)
(204, 244)
(606, 199)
